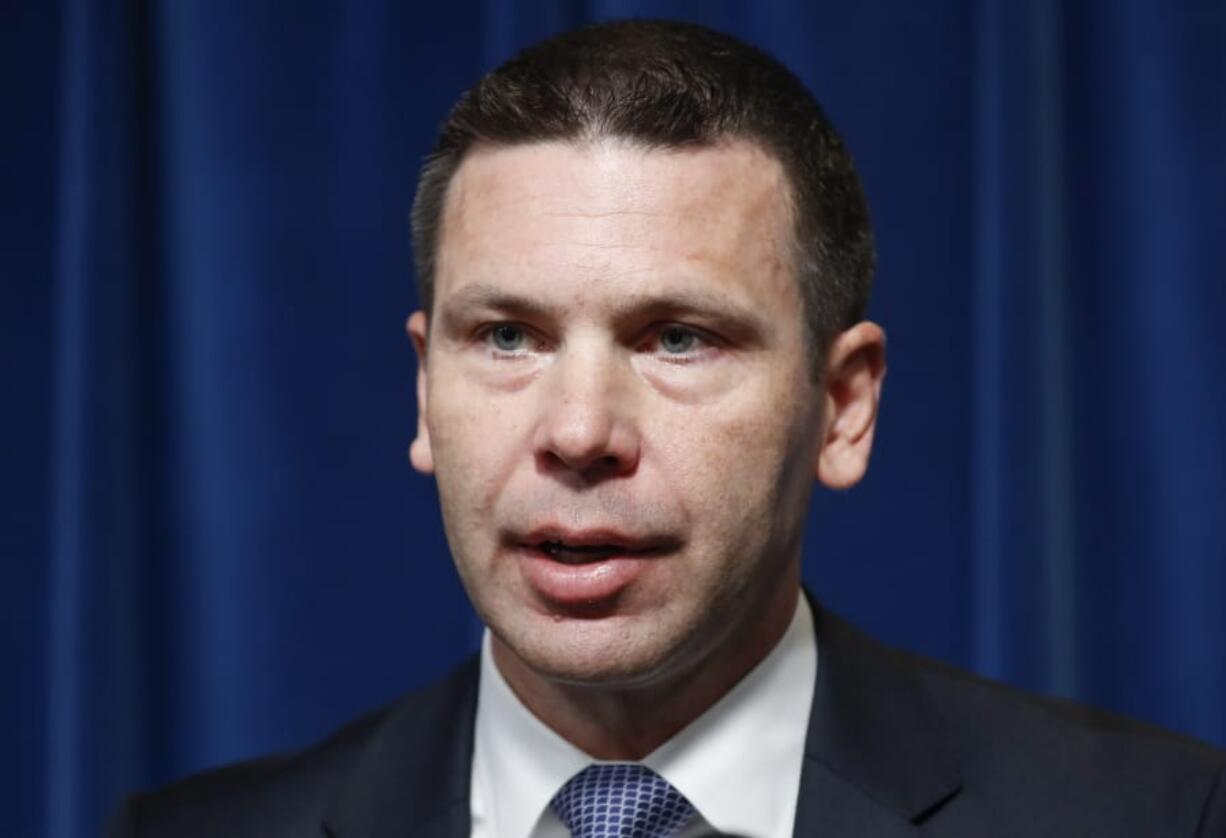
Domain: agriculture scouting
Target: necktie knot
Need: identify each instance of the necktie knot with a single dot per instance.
(621, 800)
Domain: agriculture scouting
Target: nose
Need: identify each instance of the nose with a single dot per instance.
(585, 426)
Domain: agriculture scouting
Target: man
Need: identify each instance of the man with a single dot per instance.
(644, 258)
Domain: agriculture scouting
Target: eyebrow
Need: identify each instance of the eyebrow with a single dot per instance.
(478, 295)
(739, 321)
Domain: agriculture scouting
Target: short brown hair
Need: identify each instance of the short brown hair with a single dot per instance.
(670, 85)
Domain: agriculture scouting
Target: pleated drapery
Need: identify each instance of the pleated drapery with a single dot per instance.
(214, 545)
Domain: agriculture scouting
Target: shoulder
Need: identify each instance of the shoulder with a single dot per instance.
(968, 756)
(289, 794)
(1054, 761)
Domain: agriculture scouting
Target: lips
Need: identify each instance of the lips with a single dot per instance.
(592, 544)
(568, 568)
(576, 554)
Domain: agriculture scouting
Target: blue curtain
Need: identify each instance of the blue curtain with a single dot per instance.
(213, 545)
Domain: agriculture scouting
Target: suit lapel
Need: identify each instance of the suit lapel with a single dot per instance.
(877, 762)
(876, 757)
(830, 805)
(412, 780)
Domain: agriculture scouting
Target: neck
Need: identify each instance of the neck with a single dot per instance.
(628, 723)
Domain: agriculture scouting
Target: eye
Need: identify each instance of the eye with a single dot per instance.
(678, 340)
(507, 337)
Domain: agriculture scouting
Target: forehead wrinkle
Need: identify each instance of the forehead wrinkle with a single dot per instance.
(611, 187)
(600, 214)
(491, 184)
(609, 190)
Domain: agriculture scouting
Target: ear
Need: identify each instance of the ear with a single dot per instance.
(855, 370)
(420, 454)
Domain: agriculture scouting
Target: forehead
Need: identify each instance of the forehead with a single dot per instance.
(561, 216)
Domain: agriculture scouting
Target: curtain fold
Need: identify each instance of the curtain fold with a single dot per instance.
(1023, 503)
(107, 514)
(217, 547)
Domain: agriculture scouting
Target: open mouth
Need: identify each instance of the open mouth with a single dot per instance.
(583, 553)
(583, 572)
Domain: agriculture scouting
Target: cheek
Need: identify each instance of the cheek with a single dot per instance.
(733, 466)
(474, 444)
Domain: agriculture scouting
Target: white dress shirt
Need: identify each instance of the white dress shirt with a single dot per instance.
(738, 763)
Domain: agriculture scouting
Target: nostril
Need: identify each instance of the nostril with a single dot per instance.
(595, 468)
(609, 465)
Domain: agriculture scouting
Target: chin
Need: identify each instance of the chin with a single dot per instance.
(610, 652)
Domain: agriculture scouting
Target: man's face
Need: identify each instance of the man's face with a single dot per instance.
(617, 403)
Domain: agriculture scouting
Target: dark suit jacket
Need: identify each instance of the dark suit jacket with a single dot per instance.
(897, 746)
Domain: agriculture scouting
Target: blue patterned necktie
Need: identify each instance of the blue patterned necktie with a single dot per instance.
(621, 800)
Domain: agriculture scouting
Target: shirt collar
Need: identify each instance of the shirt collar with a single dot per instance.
(739, 762)
(518, 763)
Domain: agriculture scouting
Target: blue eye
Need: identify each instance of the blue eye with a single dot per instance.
(677, 340)
(507, 337)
